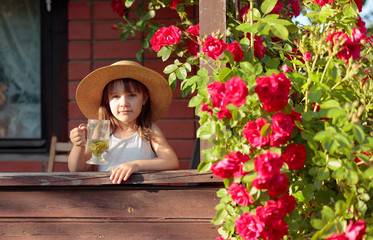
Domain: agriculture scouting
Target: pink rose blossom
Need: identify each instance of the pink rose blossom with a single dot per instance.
(236, 49)
(236, 92)
(281, 183)
(282, 128)
(294, 6)
(118, 7)
(193, 49)
(356, 230)
(224, 168)
(307, 56)
(165, 36)
(243, 13)
(324, 2)
(193, 30)
(273, 91)
(240, 195)
(249, 226)
(276, 230)
(214, 47)
(271, 212)
(252, 133)
(337, 236)
(348, 49)
(288, 202)
(259, 48)
(268, 163)
(294, 156)
(285, 68)
(174, 3)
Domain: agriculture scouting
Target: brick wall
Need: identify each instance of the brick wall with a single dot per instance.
(93, 44)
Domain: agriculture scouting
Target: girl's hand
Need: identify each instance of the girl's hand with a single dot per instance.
(77, 136)
(123, 172)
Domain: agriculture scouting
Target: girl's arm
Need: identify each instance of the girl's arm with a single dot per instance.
(166, 159)
(78, 154)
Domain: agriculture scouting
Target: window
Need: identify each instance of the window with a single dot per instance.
(33, 82)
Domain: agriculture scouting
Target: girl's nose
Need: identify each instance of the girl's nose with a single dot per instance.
(123, 101)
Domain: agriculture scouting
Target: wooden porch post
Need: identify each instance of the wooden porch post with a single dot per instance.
(212, 18)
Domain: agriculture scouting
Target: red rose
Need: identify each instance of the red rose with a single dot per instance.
(277, 8)
(359, 4)
(294, 6)
(285, 68)
(356, 231)
(263, 182)
(273, 91)
(240, 195)
(259, 48)
(214, 47)
(193, 30)
(282, 128)
(348, 49)
(224, 112)
(324, 2)
(272, 212)
(294, 156)
(243, 13)
(288, 202)
(307, 56)
(252, 133)
(205, 108)
(249, 226)
(217, 93)
(118, 7)
(224, 168)
(236, 49)
(165, 36)
(174, 3)
(268, 163)
(193, 49)
(236, 92)
(281, 183)
(276, 230)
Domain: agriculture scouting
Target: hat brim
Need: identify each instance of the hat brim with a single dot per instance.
(89, 91)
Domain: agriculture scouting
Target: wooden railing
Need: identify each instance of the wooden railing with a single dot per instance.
(150, 205)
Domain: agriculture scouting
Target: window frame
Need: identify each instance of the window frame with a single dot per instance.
(54, 84)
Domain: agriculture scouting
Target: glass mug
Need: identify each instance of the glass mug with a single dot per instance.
(98, 132)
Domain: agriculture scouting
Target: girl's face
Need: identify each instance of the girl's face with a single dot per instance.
(126, 102)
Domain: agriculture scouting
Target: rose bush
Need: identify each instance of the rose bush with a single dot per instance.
(288, 109)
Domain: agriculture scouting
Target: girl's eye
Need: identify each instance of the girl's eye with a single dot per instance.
(133, 95)
(114, 96)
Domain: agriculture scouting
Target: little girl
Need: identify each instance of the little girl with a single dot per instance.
(132, 97)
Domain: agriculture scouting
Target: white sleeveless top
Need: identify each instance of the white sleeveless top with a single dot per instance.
(126, 150)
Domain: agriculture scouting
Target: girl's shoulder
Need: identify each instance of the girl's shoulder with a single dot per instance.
(156, 131)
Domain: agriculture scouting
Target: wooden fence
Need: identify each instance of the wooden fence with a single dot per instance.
(150, 205)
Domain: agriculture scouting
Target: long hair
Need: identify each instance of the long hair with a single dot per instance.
(143, 121)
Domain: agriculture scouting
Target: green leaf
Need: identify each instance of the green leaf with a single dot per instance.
(350, 10)
(181, 73)
(270, 18)
(224, 73)
(323, 135)
(170, 68)
(204, 166)
(195, 101)
(327, 214)
(330, 104)
(317, 223)
(280, 31)
(203, 72)
(358, 133)
(220, 216)
(368, 173)
(268, 5)
(334, 164)
(128, 3)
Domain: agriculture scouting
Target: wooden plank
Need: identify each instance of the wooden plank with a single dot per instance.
(102, 178)
(187, 203)
(212, 18)
(47, 229)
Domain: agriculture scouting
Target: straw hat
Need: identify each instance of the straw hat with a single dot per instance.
(89, 91)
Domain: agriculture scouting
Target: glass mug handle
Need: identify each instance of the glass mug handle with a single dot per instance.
(80, 127)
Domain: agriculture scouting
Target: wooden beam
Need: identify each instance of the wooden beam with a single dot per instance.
(212, 18)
